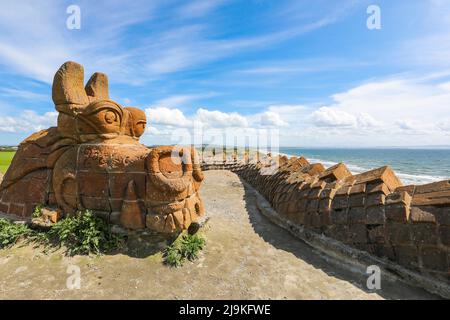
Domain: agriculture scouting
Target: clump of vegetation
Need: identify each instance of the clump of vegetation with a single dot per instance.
(37, 212)
(187, 247)
(82, 233)
(191, 246)
(11, 232)
(173, 256)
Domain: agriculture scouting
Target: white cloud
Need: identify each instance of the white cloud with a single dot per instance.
(29, 30)
(329, 117)
(272, 119)
(444, 125)
(167, 116)
(220, 119)
(29, 121)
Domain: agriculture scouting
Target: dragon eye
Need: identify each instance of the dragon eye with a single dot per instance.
(110, 117)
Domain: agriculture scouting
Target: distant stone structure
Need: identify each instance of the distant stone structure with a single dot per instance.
(93, 160)
(370, 211)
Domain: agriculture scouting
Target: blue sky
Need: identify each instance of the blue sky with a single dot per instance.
(311, 70)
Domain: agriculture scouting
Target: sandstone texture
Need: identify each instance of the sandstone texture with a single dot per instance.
(93, 160)
(371, 211)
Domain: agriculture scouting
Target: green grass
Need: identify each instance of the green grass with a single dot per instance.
(5, 160)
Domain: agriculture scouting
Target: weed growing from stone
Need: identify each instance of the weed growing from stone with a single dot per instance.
(11, 232)
(191, 245)
(186, 247)
(82, 233)
(37, 212)
(173, 256)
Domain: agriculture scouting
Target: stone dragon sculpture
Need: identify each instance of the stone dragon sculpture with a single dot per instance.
(93, 160)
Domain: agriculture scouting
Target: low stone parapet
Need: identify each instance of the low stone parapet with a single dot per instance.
(371, 212)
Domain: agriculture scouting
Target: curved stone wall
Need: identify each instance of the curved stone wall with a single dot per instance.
(371, 211)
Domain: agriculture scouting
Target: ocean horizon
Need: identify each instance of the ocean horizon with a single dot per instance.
(411, 165)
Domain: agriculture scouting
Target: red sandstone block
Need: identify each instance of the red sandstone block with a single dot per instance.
(376, 187)
(29, 209)
(422, 215)
(316, 220)
(95, 203)
(398, 233)
(116, 204)
(293, 196)
(35, 191)
(301, 205)
(432, 187)
(357, 215)
(344, 190)
(305, 191)
(307, 219)
(312, 205)
(425, 233)
(313, 169)
(375, 199)
(358, 188)
(375, 215)
(434, 258)
(444, 235)
(292, 187)
(340, 202)
(338, 232)
(118, 183)
(408, 189)
(397, 212)
(298, 218)
(282, 197)
(357, 233)
(318, 184)
(94, 184)
(383, 174)
(291, 208)
(399, 197)
(314, 193)
(433, 198)
(336, 172)
(325, 205)
(339, 216)
(16, 209)
(356, 200)
(407, 255)
(325, 218)
(386, 251)
(51, 198)
(281, 208)
(376, 234)
(4, 207)
(328, 193)
(443, 216)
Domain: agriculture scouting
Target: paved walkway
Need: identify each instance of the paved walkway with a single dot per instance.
(246, 257)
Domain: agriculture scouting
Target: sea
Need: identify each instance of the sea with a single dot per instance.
(412, 166)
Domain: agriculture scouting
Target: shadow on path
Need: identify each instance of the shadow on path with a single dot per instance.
(283, 240)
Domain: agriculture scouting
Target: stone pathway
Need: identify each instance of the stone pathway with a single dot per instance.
(246, 257)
